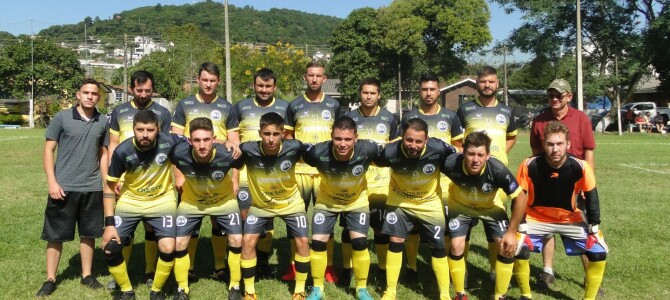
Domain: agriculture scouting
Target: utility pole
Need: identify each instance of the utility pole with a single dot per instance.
(580, 87)
(616, 90)
(505, 75)
(399, 104)
(31, 105)
(229, 80)
(125, 67)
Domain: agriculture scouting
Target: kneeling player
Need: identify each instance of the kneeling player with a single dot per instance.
(475, 193)
(270, 169)
(342, 191)
(553, 180)
(207, 191)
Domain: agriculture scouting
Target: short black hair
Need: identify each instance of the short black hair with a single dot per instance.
(486, 71)
(428, 77)
(200, 123)
(345, 123)
(145, 116)
(90, 81)
(370, 81)
(140, 77)
(415, 124)
(265, 74)
(211, 68)
(477, 139)
(271, 118)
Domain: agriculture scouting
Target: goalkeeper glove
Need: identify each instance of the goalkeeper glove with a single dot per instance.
(522, 239)
(596, 237)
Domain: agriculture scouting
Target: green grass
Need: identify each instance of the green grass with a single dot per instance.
(633, 173)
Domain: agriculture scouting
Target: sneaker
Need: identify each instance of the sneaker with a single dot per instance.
(235, 293)
(331, 276)
(345, 277)
(221, 275)
(248, 296)
(299, 296)
(315, 294)
(149, 279)
(48, 287)
(411, 276)
(545, 280)
(180, 295)
(461, 296)
(289, 275)
(112, 285)
(91, 282)
(362, 294)
(155, 296)
(388, 296)
(126, 295)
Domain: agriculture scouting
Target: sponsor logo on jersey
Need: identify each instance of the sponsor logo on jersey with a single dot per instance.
(319, 218)
(357, 170)
(217, 175)
(215, 115)
(381, 128)
(117, 221)
(429, 169)
(513, 186)
(243, 195)
(181, 221)
(500, 118)
(487, 187)
(454, 224)
(251, 219)
(188, 102)
(391, 218)
(285, 165)
(326, 115)
(161, 158)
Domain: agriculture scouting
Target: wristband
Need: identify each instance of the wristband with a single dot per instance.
(108, 195)
(109, 221)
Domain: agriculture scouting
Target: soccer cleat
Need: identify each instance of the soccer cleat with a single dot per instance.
(248, 296)
(126, 295)
(461, 296)
(156, 296)
(221, 275)
(48, 287)
(299, 296)
(331, 276)
(91, 282)
(411, 276)
(235, 293)
(180, 295)
(289, 275)
(315, 294)
(149, 279)
(345, 278)
(112, 285)
(363, 294)
(388, 296)
(545, 280)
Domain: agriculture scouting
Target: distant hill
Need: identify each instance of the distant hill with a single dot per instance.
(246, 24)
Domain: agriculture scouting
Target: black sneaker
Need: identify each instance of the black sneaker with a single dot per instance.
(545, 280)
(149, 279)
(155, 296)
(91, 282)
(345, 278)
(48, 287)
(126, 295)
(180, 295)
(235, 293)
(221, 275)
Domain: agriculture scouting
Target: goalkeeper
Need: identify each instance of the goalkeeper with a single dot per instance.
(553, 180)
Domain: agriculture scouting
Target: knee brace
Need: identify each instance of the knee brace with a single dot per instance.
(166, 257)
(346, 238)
(218, 232)
(438, 252)
(319, 246)
(596, 256)
(180, 254)
(523, 254)
(114, 252)
(396, 247)
(150, 236)
(359, 244)
(505, 260)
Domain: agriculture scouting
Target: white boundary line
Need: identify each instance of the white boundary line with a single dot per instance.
(664, 144)
(645, 169)
(15, 138)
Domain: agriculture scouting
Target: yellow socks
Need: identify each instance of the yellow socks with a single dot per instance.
(361, 267)
(594, 277)
(504, 268)
(441, 269)
(181, 265)
(522, 275)
(301, 270)
(248, 274)
(318, 264)
(234, 263)
(163, 269)
(457, 270)
(120, 275)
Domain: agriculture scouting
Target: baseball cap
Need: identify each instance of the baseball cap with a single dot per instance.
(560, 85)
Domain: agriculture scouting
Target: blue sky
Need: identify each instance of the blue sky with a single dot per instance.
(16, 16)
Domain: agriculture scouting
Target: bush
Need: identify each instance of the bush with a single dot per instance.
(11, 119)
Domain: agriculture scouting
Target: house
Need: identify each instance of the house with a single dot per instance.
(453, 95)
(647, 91)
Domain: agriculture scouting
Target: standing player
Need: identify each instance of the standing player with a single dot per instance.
(207, 103)
(474, 194)
(207, 191)
(414, 201)
(74, 177)
(582, 146)
(311, 115)
(247, 114)
(274, 192)
(442, 124)
(121, 129)
(494, 118)
(341, 163)
(553, 180)
(377, 124)
(146, 195)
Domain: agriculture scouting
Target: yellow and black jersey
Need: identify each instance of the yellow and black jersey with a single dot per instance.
(415, 181)
(121, 121)
(343, 186)
(311, 122)
(479, 191)
(205, 183)
(219, 111)
(247, 115)
(552, 192)
(443, 125)
(497, 122)
(271, 179)
(147, 174)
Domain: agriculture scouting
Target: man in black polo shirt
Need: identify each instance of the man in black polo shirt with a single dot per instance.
(75, 183)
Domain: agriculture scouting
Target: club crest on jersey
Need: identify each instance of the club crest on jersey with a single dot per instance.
(319, 218)
(391, 218)
(251, 219)
(215, 115)
(117, 221)
(454, 224)
(487, 187)
(161, 158)
(442, 126)
(429, 169)
(285, 165)
(181, 221)
(217, 175)
(243, 195)
(357, 170)
(326, 115)
(500, 118)
(381, 128)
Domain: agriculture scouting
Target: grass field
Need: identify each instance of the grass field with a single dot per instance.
(633, 175)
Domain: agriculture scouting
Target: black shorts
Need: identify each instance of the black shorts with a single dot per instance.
(323, 221)
(459, 225)
(83, 209)
(296, 224)
(400, 222)
(164, 226)
(190, 224)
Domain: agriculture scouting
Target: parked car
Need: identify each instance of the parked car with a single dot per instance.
(665, 112)
(640, 107)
